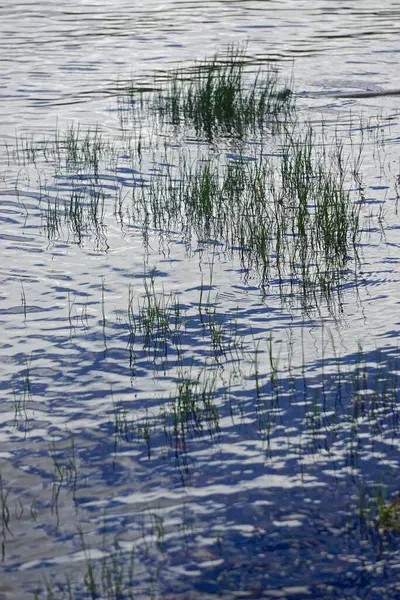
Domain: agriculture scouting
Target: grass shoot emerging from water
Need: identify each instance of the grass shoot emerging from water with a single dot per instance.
(76, 216)
(217, 97)
(290, 217)
(74, 151)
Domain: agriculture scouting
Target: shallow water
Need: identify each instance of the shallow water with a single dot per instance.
(264, 499)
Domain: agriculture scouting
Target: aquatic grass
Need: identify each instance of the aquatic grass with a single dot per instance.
(158, 324)
(65, 472)
(22, 395)
(292, 221)
(111, 577)
(192, 408)
(291, 218)
(351, 400)
(23, 300)
(221, 96)
(20, 408)
(82, 152)
(379, 513)
(193, 414)
(72, 151)
(5, 530)
(387, 516)
(156, 319)
(77, 217)
(190, 412)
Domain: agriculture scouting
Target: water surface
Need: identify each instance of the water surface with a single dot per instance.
(263, 501)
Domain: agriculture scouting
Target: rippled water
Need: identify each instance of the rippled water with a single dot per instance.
(266, 499)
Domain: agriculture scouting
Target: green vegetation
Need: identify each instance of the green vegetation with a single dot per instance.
(76, 217)
(290, 207)
(217, 98)
(157, 318)
(71, 152)
(204, 405)
(378, 513)
(388, 514)
(290, 218)
(112, 577)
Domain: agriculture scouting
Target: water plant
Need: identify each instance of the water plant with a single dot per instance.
(72, 151)
(65, 473)
(223, 96)
(387, 512)
(5, 516)
(289, 210)
(76, 217)
(23, 300)
(379, 513)
(192, 408)
(291, 218)
(112, 577)
(156, 318)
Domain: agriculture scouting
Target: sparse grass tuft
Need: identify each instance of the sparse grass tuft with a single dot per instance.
(75, 151)
(388, 514)
(76, 217)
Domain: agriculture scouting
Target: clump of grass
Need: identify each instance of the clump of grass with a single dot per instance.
(378, 513)
(191, 412)
(77, 216)
(74, 151)
(388, 514)
(192, 409)
(5, 517)
(156, 319)
(322, 216)
(291, 217)
(216, 97)
(82, 151)
(111, 577)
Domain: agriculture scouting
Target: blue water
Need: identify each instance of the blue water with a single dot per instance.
(267, 498)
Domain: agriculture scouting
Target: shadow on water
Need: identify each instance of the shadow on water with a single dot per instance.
(244, 452)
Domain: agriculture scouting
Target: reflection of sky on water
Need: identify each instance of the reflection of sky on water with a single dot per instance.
(61, 60)
(267, 498)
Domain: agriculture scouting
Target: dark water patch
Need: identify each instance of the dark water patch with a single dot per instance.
(18, 310)
(16, 238)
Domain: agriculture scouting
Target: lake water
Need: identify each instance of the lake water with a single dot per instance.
(116, 324)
